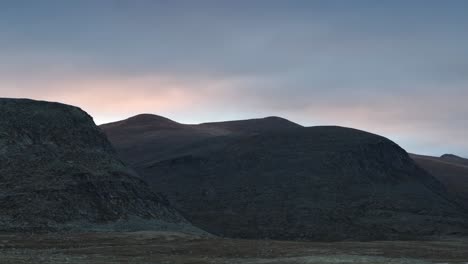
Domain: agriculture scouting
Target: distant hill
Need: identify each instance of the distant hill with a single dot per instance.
(451, 170)
(271, 178)
(58, 171)
(454, 159)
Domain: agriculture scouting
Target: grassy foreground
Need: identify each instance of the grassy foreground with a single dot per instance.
(165, 247)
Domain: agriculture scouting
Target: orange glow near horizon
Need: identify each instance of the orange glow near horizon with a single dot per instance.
(113, 98)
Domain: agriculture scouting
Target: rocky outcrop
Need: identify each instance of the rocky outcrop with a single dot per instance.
(59, 172)
(317, 183)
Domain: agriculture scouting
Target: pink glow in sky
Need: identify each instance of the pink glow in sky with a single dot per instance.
(402, 74)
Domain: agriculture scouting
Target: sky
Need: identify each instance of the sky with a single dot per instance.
(396, 68)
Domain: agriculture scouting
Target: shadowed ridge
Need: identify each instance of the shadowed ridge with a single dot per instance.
(271, 123)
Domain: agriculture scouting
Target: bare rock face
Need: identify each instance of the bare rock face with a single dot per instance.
(59, 172)
(290, 182)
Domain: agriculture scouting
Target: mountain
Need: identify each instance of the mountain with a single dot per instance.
(271, 178)
(449, 169)
(58, 171)
(145, 138)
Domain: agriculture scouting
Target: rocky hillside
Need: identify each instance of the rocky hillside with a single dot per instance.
(59, 172)
(289, 182)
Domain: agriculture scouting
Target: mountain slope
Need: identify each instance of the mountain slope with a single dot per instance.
(451, 170)
(283, 182)
(58, 171)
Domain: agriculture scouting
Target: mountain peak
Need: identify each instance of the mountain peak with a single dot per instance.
(275, 118)
(454, 159)
(145, 120)
(450, 156)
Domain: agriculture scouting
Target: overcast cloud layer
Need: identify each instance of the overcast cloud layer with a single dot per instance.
(398, 68)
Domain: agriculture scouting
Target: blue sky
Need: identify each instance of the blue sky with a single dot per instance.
(397, 68)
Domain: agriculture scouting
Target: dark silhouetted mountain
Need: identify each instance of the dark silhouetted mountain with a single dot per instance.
(449, 169)
(271, 178)
(146, 121)
(145, 138)
(59, 172)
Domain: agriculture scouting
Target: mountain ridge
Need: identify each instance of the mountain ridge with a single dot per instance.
(292, 182)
